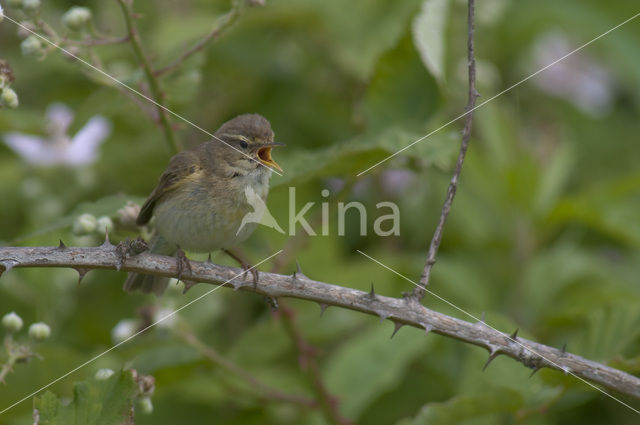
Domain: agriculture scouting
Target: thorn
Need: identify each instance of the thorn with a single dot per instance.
(273, 303)
(82, 272)
(564, 348)
(209, 258)
(323, 307)
(533, 372)
(514, 335)
(107, 243)
(372, 292)
(188, 284)
(481, 321)
(566, 369)
(62, 246)
(383, 315)
(396, 328)
(237, 284)
(492, 355)
(427, 328)
(8, 264)
(298, 272)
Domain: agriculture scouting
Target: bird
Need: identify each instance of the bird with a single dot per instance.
(200, 200)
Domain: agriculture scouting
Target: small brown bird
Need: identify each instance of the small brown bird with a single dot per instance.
(201, 198)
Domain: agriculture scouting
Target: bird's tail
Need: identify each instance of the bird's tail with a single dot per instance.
(148, 283)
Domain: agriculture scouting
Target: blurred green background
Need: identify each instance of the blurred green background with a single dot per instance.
(544, 234)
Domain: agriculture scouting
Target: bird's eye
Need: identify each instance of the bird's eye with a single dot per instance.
(243, 144)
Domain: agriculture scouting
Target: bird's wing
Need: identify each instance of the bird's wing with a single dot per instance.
(183, 167)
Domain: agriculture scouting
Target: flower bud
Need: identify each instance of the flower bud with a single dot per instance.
(31, 46)
(123, 330)
(76, 18)
(39, 331)
(128, 214)
(145, 405)
(103, 374)
(104, 224)
(30, 5)
(84, 224)
(12, 322)
(9, 98)
(23, 30)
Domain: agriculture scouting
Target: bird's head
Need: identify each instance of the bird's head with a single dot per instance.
(248, 140)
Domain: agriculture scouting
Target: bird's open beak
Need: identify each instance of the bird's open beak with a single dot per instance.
(264, 155)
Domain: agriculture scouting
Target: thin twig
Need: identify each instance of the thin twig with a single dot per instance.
(154, 86)
(221, 25)
(268, 392)
(418, 292)
(307, 358)
(403, 311)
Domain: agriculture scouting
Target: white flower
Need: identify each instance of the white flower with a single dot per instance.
(146, 406)
(579, 79)
(84, 224)
(104, 224)
(164, 318)
(123, 330)
(103, 374)
(12, 322)
(39, 331)
(76, 18)
(59, 148)
(9, 98)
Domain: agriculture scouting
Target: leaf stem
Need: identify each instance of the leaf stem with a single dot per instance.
(154, 86)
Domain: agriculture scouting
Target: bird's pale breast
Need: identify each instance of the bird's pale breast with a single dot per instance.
(205, 215)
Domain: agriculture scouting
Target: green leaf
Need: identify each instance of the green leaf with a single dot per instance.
(401, 93)
(371, 364)
(609, 207)
(467, 407)
(428, 35)
(94, 402)
(382, 22)
(352, 156)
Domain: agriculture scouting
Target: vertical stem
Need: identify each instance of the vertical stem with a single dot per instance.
(307, 357)
(418, 292)
(154, 86)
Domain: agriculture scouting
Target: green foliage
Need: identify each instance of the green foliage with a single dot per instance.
(543, 235)
(94, 402)
(465, 408)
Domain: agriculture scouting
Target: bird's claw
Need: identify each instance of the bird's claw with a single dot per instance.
(182, 263)
(130, 248)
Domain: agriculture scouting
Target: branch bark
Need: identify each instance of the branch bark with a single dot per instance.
(401, 311)
(419, 291)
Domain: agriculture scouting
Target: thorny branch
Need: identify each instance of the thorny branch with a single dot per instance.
(418, 292)
(401, 311)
